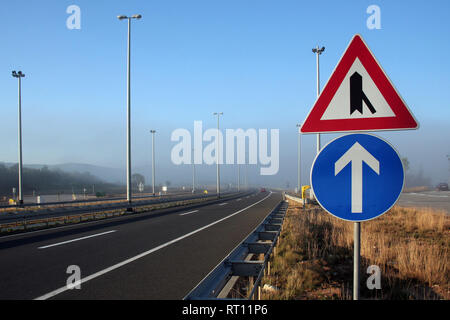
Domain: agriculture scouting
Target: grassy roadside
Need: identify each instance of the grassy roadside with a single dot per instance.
(314, 256)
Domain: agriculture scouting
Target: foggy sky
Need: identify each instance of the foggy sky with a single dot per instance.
(191, 59)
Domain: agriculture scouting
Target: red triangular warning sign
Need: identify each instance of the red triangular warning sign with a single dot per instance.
(358, 97)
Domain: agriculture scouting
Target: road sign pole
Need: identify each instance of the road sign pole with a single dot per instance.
(356, 258)
(299, 168)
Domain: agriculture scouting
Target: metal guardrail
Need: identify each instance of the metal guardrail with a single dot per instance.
(43, 210)
(294, 198)
(23, 221)
(87, 201)
(218, 283)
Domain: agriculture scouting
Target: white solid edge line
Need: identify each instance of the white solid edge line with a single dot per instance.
(222, 204)
(183, 214)
(120, 264)
(77, 239)
(271, 210)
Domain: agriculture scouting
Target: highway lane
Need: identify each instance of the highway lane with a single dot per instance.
(53, 211)
(427, 199)
(149, 257)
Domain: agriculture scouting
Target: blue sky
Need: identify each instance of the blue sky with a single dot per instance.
(251, 60)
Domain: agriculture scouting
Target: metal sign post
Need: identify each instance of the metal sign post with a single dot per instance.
(356, 258)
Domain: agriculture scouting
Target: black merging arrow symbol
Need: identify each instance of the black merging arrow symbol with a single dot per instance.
(357, 95)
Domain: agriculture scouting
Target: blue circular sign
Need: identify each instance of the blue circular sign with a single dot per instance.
(357, 177)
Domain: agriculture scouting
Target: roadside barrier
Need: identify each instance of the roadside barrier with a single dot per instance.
(219, 282)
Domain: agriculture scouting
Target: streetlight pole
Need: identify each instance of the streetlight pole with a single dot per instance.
(136, 16)
(218, 114)
(318, 51)
(20, 75)
(246, 178)
(153, 159)
(193, 173)
(448, 158)
(299, 183)
(239, 178)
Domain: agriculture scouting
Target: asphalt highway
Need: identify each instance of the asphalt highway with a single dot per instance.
(155, 255)
(55, 210)
(439, 200)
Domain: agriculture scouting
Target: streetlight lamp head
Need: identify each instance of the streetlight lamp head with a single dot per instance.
(318, 51)
(137, 16)
(122, 17)
(18, 74)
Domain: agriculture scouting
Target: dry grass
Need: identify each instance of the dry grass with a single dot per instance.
(315, 252)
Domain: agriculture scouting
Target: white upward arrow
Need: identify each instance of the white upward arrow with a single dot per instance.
(356, 155)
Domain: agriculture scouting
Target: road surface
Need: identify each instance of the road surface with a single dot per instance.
(426, 199)
(145, 256)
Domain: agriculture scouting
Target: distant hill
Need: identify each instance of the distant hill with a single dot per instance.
(45, 180)
(166, 174)
(109, 175)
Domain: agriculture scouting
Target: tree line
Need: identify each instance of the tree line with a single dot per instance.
(45, 181)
